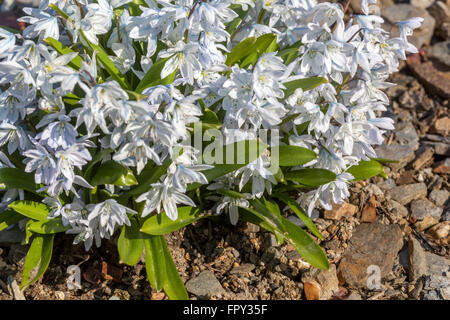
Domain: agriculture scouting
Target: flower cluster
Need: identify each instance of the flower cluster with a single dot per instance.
(89, 83)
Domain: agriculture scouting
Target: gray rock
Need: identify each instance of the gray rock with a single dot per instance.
(243, 268)
(441, 13)
(326, 279)
(440, 148)
(396, 208)
(446, 216)
(439, 197)
(387, 184)
(437, 265)
(422, 208)
(401, 12)
(406, 134)
(205, 284)
(13, 235)
(406, 193)
(14, 289)
(401, 153)
(441, 52)
(431, 295)
(114, 298)
(417, 260)
(371, 244)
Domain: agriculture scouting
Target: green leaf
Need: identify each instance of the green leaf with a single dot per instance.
(153, 76)
(31, 209)
(99, 156)
(305, 245)
(50, 226)
(290, 156)
(311, 177)
(130, 244)
(173, 285)
(305, 84)
(300, 213)
(154, 261)
(160, 224)
(62, 49)
(383, 161)
(111, 172)
(264, 44)
(37, 260)
(365, 170)
(161, 270)
(240, 51)
(255, 217)
(106, 62)
(8, 218)
(14, 178)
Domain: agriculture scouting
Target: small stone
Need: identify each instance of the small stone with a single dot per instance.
(440, 148)
(386, 185)
(422, 208)
(243, 268)
(439, 197)
(158, 296)
(205, 284)
(446, 216)
(326, 280)
(426, 223)
(440, 231)
(293, 255)
(441, 51)
(423, 4)
(441, 126)
(354, 296)
(424, 155)
(409, 192)
(407, 177)
(369, 213)
(14, 289)
(433, 79)
(440, 11)
(60, 295)
(371, 244)
(312, 290)
(401, 153)
(340, 210)
(114, 298)
(396, 208)
(417, 261)
(442, 167)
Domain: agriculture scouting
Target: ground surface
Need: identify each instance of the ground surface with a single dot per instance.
(396, 228)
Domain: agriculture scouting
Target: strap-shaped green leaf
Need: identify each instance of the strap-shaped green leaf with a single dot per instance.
(153, 76)
(14, 178)
(240, 51)
(305, 245)
(31, 209)
(160, 224)
(62, 49)
(366, 169)
(306, 84)
(312, 177)
(111, 172)
(161, 270)
(37, 260)
(106, 62)
(290, 156)
(8, 218)
(130, 244)
(300, 213)
(50, 226)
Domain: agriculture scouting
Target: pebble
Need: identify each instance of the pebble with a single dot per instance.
(401, 153)
(205, 284)
(424, 154)
(417, 260)
(439, 197)
(371, 244)
(435, 81)
(243, 268)
(442, 167)
(320, 284)
(406, 193)
(426, 223)
(441, 126)
(422, 208)
(440, 232)
(441, 51)
(340, 210)
(396, 208)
